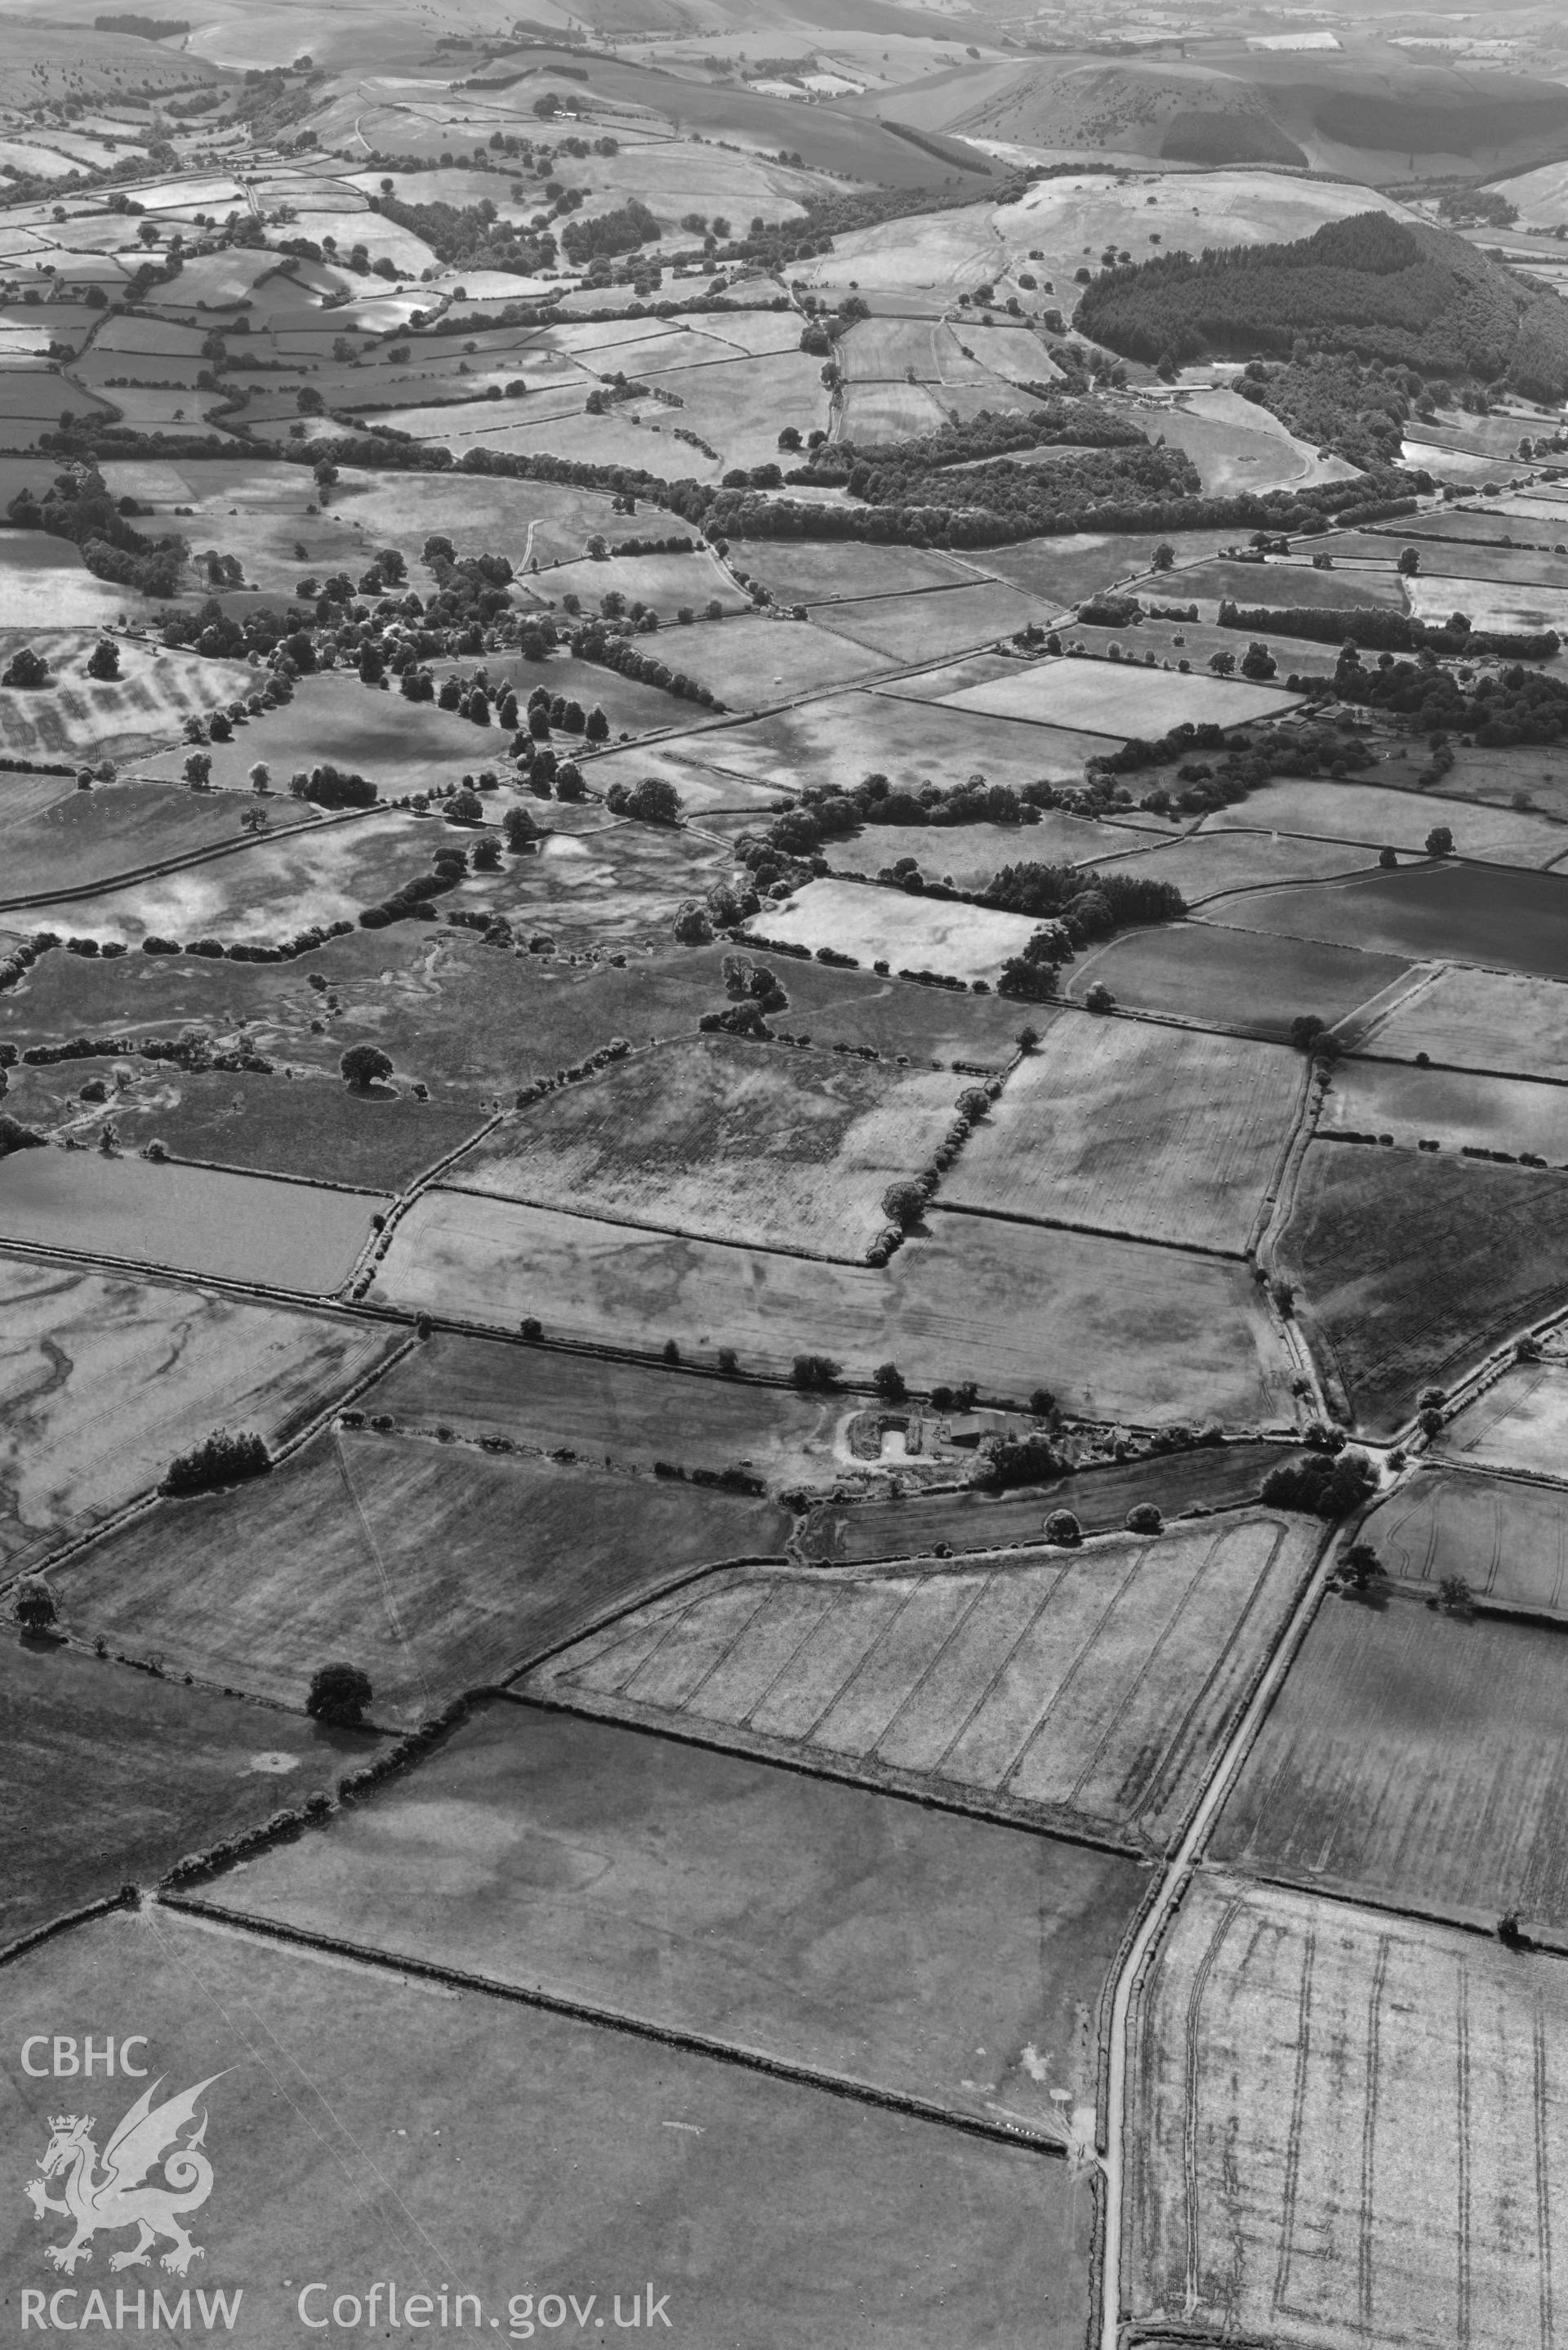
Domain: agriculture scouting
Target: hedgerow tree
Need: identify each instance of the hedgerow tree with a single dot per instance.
(34, 1606)
(904, 1204)
(338, 1696)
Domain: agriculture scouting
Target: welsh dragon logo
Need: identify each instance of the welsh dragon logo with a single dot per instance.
(121, 2195)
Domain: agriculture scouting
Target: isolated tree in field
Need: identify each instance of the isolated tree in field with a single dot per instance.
(1163, 556)
(260, 777)
(34, 1606)
(1223, 663)
(519, 829)
(1454, 1596)
(365, 1065)
(1362, 1567)
(1258, 662)
(103, 661)
(1409, 562)
(198, 769)
(1439, 841)
(27, 669)
(904, 1204)
(338, 1696)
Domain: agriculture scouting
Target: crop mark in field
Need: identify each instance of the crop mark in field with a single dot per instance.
(1298, 2109)
(1542, 2196)
(1462, 2101)
(388, 1601)
(1204, 1968)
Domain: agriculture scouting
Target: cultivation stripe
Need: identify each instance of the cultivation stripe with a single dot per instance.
(671, 1232)
(688, 2043)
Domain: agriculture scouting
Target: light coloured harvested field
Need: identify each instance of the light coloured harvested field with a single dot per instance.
(1119, 1331)
(1087, 1689)
(1490, 604)
(1238, 446)
(103, 1380)
(822, 571)
(879, 413)
(848, 736)
(1218, 864)
(1454, 1107)
(749, 663)
(934, 627)
(438, 1570)
(1413, 1758)
(1374, 815)
(788, 2194)
(1167, 1134)
(1506, 1538)
(47, 585)
(1484, 1019)
(1350, 2128)
(908, 933)
(76, 714)
(666, 582)
(1113, 698)
(1282, 584)
(727, 1140)
(885, 349)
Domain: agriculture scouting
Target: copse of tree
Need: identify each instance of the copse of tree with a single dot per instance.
(1010, 1461)
(365, 1065)
(34, 1605)
(1370, 285)
(652, 801)
(1323, 1484)
(334, 787)
(1085, 907)
(338, 1696)
(621, 230)
(221, 1459)
(816, 1374)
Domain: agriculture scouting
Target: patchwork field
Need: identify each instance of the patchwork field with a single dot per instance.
(725, 1140)
(1207, 865)
(1114, 698)
(1481, 1020)
(1289, 2055)
(436, 1570)
(705, 1893)
(1414, 1759)
(844, 738)
(765, 2194)
(828, 571)
(111, 1776)
(1508, 1539)
(912, 934)
(401, 746)
(157, 690)
(1230, 979)
(103, 1380)
(636, 1413)
(932, 626)
(1026, 1689)
(1118, 1330)
(1459, 1109)
(1409, 1267)
(1179, 1484)
(288, 1236)
(1459, 913)
(1374, 817)
(1163, 1134)
(73, 839)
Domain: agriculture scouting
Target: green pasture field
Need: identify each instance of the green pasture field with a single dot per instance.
(47, 585)
(939, 684)
(749, 663)
(482, 515)
(1503, 917)
(1460, 561)
(934, 626)
(1209, 865)
(1538, 769)
(1376, 816)
(664, 582)
(402, 746)
(436, 1568)
(1237, 447)
(1118, 1330)
(104, 1379)
(1458, 1109)
(710, 798)
(112, 1774)
(772, 2194)
(1414, 1759)
(887, 926)
(1503, 1535)
(1066, 571)
(1283, 2036)
(1279, 584)
(827, 571)
(631, 708)
(1019, 1687)
(726, 1139)
(1164, 1134)
(318, 1129)
(88, 839)
(1116, 699)
(704, 1892)
(969, 856)
(1408, 1267)
(184, 1219)
(738, 405)
(1195, 1483)
(633, 1413)
(844, 738)
(616, 439)
(1244, 981)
